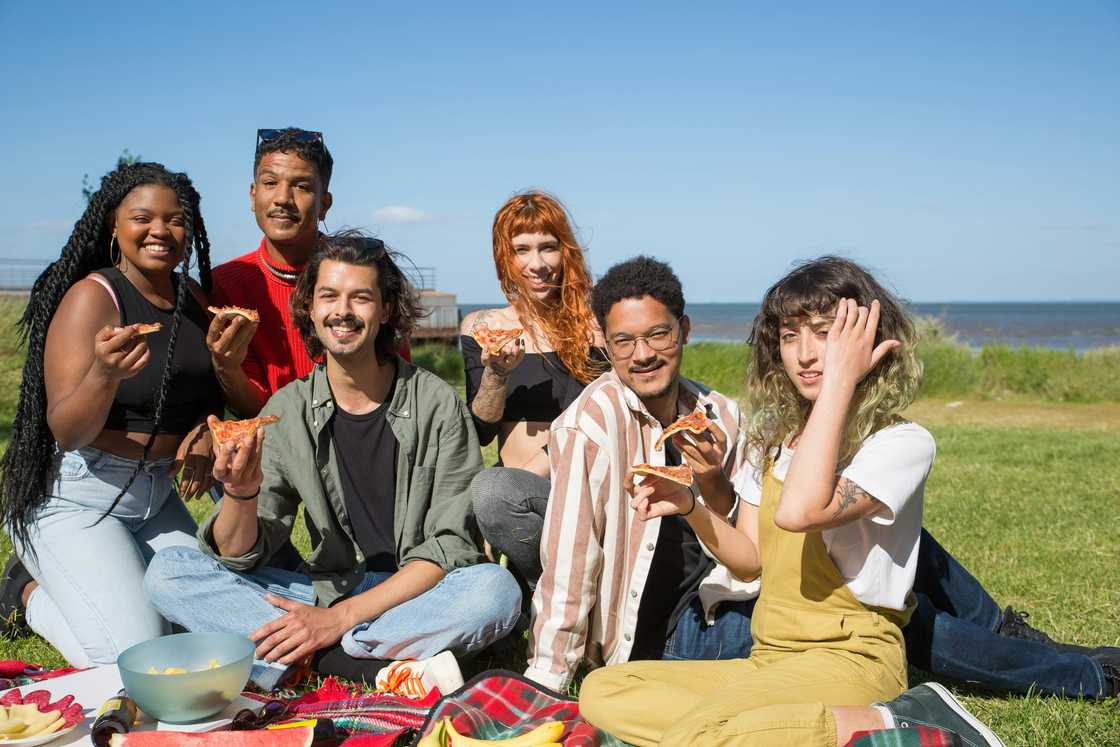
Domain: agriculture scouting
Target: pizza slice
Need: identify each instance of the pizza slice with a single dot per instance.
(694, 422)
(493, 340)
(237, 431)
(250, 314)
(681, 474)
(147, 329)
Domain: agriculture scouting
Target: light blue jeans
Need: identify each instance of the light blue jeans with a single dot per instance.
(467, 610)
(90, 603)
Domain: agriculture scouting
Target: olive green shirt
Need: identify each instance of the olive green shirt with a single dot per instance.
(438, 456)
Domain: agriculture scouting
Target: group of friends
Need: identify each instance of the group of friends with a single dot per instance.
(658, 585)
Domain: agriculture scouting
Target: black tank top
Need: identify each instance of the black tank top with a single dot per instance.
(192, 388)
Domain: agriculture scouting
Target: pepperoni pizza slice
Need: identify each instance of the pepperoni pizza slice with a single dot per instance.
(250, 314)
(681, 474)
(694, 422)
(237, 431)
(493, 340)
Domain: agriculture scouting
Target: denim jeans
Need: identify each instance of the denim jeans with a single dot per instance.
(509, 505)
(467, 610)
(952, 634)
(90, 603)
(729, 637)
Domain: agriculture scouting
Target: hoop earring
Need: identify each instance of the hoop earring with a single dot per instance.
(112, 241)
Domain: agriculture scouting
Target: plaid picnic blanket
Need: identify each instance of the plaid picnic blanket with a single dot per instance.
(499, 705)
(372, 719)
(922, 736)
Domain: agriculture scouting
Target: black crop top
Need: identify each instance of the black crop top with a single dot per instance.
(539, 389)
(192, 390)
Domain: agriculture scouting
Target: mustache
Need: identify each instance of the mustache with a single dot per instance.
(282, 214)
(350, 320)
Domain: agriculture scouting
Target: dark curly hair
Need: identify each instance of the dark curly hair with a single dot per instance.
(294, 140)
(353, 247)
(28, 464)
(634, 278)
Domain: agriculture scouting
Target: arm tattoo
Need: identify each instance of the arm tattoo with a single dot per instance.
(850, 493)
(489, 401)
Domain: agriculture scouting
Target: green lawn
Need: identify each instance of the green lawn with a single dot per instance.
(1025, 493)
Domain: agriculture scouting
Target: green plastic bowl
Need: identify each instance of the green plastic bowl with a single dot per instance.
(201, 692)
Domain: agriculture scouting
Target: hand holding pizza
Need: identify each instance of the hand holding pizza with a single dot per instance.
(229, 334)
(705, 453)
(655, 496)
(502, 349)
(194, 462)
(120, 352)
(237, 462)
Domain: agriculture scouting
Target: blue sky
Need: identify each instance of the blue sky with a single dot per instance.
(965, 151)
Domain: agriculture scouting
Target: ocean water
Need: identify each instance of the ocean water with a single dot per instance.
(1062, 326)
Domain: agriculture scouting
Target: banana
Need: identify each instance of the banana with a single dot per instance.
(437, 737)
(545, 734)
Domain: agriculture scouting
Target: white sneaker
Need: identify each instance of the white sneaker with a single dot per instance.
(414, 678)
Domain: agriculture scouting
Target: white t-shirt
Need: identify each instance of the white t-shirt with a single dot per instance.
(876, 556)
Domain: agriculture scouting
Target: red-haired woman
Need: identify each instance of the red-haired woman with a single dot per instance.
(515, 394)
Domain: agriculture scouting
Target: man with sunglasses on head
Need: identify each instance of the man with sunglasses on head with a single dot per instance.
(290, 196)
(615, 588)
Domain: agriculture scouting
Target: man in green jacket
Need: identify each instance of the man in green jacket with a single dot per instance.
(380, 454)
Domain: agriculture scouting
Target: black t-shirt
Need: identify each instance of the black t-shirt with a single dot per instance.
(679, 565)
(366, 448)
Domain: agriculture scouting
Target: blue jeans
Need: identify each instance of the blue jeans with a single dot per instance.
(729, 637)
(90, 603)
(952, 634)
(467, 610)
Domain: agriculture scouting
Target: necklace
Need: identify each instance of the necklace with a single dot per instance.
(288, 276)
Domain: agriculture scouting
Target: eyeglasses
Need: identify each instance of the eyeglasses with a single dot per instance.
(269, 713)
(300, 136)
(660, 341)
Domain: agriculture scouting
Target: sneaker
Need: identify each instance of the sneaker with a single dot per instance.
(1014, 625)
(13, 622)
(413, 678)
(930, 704)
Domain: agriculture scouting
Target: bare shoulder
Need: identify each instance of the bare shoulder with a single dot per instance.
(87, 303)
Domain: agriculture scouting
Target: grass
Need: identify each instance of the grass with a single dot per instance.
(1025, 493)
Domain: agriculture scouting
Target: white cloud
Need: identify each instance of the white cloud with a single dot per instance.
(401, 214)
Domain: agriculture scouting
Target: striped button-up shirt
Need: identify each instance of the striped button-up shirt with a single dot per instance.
(595, 550)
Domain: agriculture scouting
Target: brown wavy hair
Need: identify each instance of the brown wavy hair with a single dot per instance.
(777, 409)
(567, 323)
(355, 248)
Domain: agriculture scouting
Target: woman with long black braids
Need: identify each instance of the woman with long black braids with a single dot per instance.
(107, 417)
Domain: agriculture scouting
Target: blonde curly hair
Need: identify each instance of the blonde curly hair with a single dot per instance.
(777, 410)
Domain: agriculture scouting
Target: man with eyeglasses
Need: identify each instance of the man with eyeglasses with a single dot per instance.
(615, 588)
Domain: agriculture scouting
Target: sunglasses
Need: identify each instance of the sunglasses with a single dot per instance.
(269, 713)
(300, 136)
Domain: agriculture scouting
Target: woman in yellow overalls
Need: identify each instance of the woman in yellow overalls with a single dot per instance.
(840, 483)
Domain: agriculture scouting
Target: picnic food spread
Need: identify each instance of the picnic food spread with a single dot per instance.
(493, 340)
(681, 474)
(694, 422)
(238, 430)
(250, 314)
(34, 715)
(445, 735)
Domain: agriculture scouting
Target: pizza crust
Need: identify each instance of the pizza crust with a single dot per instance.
(147, 329)
(250, 314)
(680, 474)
